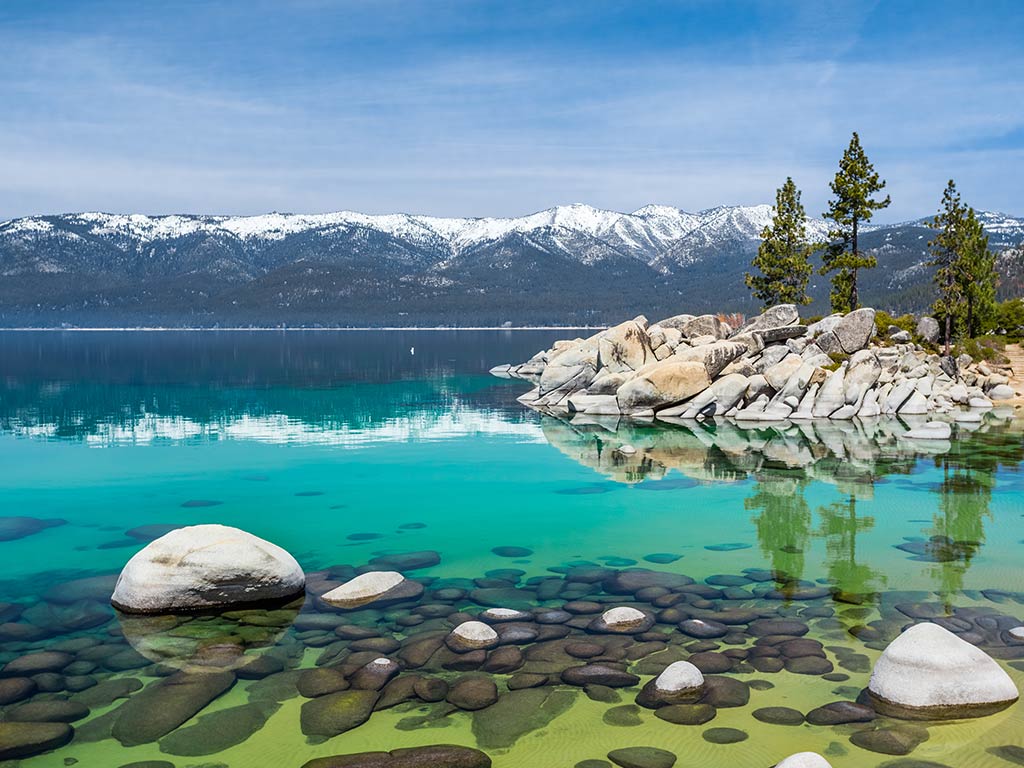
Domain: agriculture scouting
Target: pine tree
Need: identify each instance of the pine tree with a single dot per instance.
(853, 187)
(945, 248)
(965, 268)
(783, 258)
(978, 272)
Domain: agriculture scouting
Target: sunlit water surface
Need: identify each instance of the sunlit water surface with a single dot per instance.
(343, 447)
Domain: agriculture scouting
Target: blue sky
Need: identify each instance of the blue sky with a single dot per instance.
(501, 108)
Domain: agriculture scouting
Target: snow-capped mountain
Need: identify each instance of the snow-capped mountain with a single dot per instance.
(563, 264)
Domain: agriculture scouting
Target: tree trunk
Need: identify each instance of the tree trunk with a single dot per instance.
(948, 332)
(854, 299)
(970, 316)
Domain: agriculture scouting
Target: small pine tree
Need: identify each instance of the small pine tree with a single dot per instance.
(853, 186)
(978, 271)
(783, 258)
(945, 248)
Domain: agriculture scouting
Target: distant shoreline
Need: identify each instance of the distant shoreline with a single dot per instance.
(154, 329)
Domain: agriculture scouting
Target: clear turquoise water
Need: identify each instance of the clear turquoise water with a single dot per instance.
(309, 438)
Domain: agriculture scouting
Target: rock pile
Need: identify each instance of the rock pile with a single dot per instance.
(770, 369)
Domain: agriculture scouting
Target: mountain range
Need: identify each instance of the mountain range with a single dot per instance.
(571, 265)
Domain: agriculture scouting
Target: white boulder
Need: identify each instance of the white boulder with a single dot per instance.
(471, 636)
(372, 587)
(930, 673)
(679, 676)
(206, 566)
(804, 760)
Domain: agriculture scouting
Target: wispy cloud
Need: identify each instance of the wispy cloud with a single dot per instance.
(467, 109)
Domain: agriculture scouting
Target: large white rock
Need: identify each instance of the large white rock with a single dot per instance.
(206, 566)
(856, 329)
(929, 672)
(804, 760)
(663, 384)
(679, 676)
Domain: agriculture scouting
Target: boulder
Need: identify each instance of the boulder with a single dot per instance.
(642, 757)
(861, 374)
(705, 325)
(373, 587)
(1001, 392)
(622, 620)
(471, 636)
(929, 673)
(434, 756)
(804, 760)
(928, 329)
(663, 384)
(206, 566)
(676, 321)
(832, 395)
(855, 330)
(680, 683)
(715, 356)
(624, 348)
(337, 713)
(780, 373)
(825, 325)
(774, 317)
(915, 405)
(163, 706)
(27, 739)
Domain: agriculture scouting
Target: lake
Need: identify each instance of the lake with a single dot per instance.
(361, 447)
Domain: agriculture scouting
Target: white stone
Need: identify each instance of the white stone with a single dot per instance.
(623, 617)
(916, 404)
(627, 450)
(205, 566)
(933, 430)
(930, 667)
(679, 676)
(364, 588)
(1017, 633)
(504, 614)
(804, 760)
(474, 634)
(1001, 392)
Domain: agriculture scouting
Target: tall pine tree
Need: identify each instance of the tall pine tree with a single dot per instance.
(965, 271)
(945, 248)
(853, 204)
(783, 258)
(979, 271)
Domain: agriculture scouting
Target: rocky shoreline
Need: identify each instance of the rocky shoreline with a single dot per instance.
(508, 652)
(770, 369)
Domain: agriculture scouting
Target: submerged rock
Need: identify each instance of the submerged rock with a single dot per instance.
(435, 756)
(27, 739)
(165, 705)
(642, 757)
(517, 713)
(930, 673)
(206, 566)
(337, 713)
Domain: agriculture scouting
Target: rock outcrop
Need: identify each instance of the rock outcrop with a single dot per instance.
(202, 567)
(770, 369)
(928, 673)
